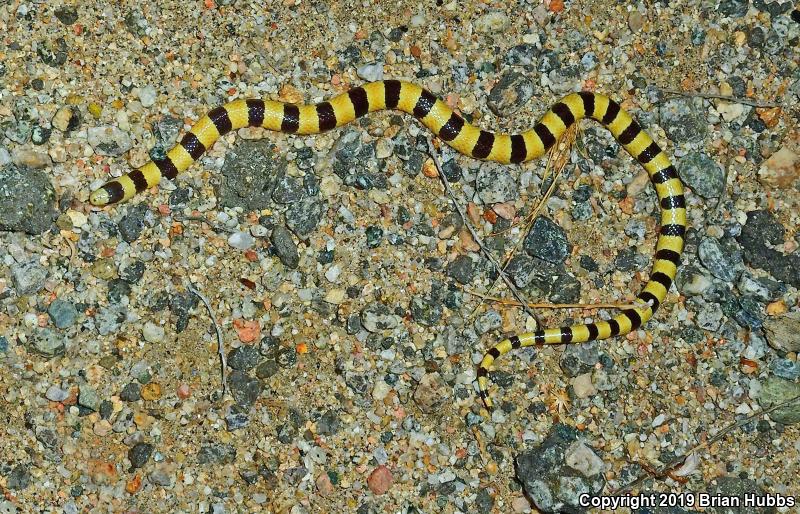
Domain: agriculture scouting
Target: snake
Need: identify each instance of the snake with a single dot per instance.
(471, 141)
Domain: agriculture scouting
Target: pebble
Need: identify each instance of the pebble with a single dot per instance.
(703, 174)
(241, 240)
(302, 217)
(148, 96)
(19, 478)
(635, 21)
(140, 454)
(87, 397)
(244, 388)
(495, 185)
(216, 454)
(488, 321)
(285, 247)
(47, 343)
(66, 118)
(153, 333)
(132, 223)
(56, 394)
(151, 391)
(684, 121)
(547, 241)
(783, 332)
(510, 94)
(785, 368)
(62, 312)
(430, 393)
(493, 22)
(249, 175)
(380, 480)
(583, 387)
(462, 269)
(132, 392)
(28, 277)
(543, 472)
(27, 200)
(775, 391)
(426, 311)
(244, 358)
(109, 140)
(581, 458)
(371, 72)
(734, 8)
(760, 230)
(722, 257)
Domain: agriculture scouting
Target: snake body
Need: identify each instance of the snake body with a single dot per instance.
(468, 140)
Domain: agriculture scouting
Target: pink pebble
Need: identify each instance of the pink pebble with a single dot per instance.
(380, 480)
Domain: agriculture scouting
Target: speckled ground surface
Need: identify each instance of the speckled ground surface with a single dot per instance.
(340, 273)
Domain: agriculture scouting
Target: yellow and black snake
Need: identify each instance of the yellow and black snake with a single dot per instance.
(469, 140)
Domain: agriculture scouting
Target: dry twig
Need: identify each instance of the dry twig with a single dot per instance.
(727, 98)
(220, 342)
(487, 253)
(668, 469)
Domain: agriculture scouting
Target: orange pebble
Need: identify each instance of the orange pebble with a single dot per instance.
(247, 330)
(301, 348)
(134, 484)
(151, 391)
(556, 5)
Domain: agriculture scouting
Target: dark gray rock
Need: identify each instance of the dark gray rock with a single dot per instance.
(27, 200)
(19, 478)
(510, 93)
(244, 388)
(426, 310)
(552, 484)
(739, 487)
(216, 454)
(47, 342)
(62, 312)
(132, 392)
(525, 54)
(285, 247)
(303, 216)
(28, 277)
(547, 241)
(66, 15)
(133, 272)
(578, 359)
(722, 257)
(53, 52)
(132, 223)
(288, 190)
(329, 423)
(140, 454)
(703, 174)
(243, 358)
(762, 228)
(494, 184)
(684, 120)
(734, 8)
(462, 269)
(249, 175)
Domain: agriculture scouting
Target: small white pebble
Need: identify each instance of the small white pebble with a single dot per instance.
(371, 72)
(333, 273)
(147, 95)
(241, 240)
(152, 333)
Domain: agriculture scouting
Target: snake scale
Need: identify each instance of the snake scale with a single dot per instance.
(468, 140)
